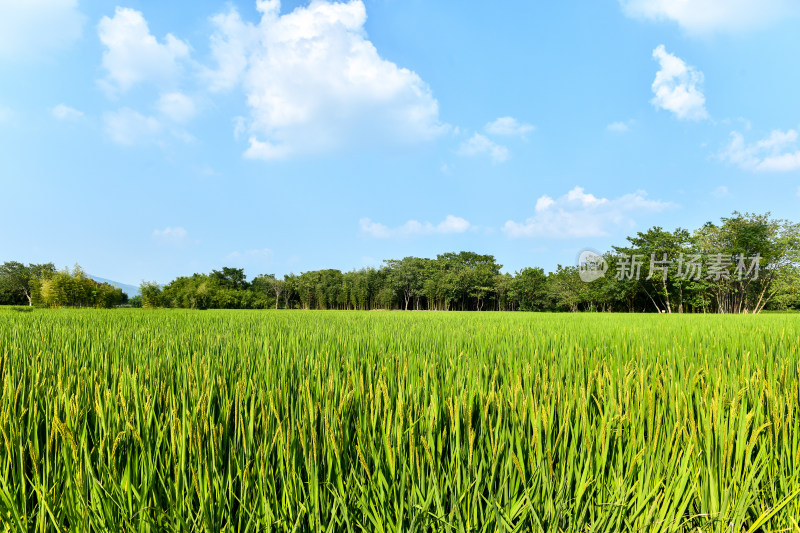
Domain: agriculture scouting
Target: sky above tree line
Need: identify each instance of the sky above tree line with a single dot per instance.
(147, 140)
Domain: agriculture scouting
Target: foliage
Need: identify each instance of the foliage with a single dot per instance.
(470, 281)
(309, 421)
(75, 289)
(150, 292)
(18, 281)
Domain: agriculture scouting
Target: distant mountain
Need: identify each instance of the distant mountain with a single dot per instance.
(130, 290)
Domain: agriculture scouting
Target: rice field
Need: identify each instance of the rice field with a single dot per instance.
(171, 420)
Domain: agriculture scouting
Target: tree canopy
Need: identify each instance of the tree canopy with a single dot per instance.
(744, 264)
(45, 286)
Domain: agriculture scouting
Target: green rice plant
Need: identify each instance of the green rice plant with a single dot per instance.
(175, 420)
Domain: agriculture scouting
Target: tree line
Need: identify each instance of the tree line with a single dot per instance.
(471, 281)
(43, 285)
(768, 249)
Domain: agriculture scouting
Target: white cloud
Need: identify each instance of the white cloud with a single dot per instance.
(133, 55)
(239, 127)
(314, 82)
(779, 152)
(374, 229)
(31, 28)
(127, 127)
(176, 106)
(170, 235)
(508, 126)
(708, 16)
(481, 145)
(5, 114)
(266, 150)
(65, 112)
(543, 203)
(720, 192)
(580, 214)
(618, 127)
(678, 87)
(231, 44)
(450, 225)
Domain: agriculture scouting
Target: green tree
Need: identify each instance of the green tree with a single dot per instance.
(660, 252)
(566, 289)
(230, 278)
(19, 282)
(530, 289)
(775, 245)
(405, 276)
(151, 294)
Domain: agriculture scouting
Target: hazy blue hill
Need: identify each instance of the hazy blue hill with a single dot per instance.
(130, 290)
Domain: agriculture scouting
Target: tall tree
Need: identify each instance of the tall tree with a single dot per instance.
(530, 289)
(19, 281)
(406, 277)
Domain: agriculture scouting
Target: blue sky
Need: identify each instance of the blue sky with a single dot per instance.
(146, 140)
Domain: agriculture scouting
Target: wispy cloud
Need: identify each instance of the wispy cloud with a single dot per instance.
(619, 127)
(508, 126)
(250, 258)
(581, 214)
(720, 192)
(128, 127)
(450, 225)
(171, 235)
(65, 112)
(32, 29)
(478, 145)
(176, 106)
(779, 152)
(708, 16)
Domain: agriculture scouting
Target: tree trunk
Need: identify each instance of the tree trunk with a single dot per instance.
(666, 292)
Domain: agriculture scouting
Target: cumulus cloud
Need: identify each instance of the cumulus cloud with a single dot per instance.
(450, 225)
(128, 127)
(779, 152)
(678, 87)
(508, 126)
(170, 235)
(31, 28)
(176, 106)
(581, 214)
(315, 82)
(65, 112)
(481, 145)
(133, 55)
(708, 16)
